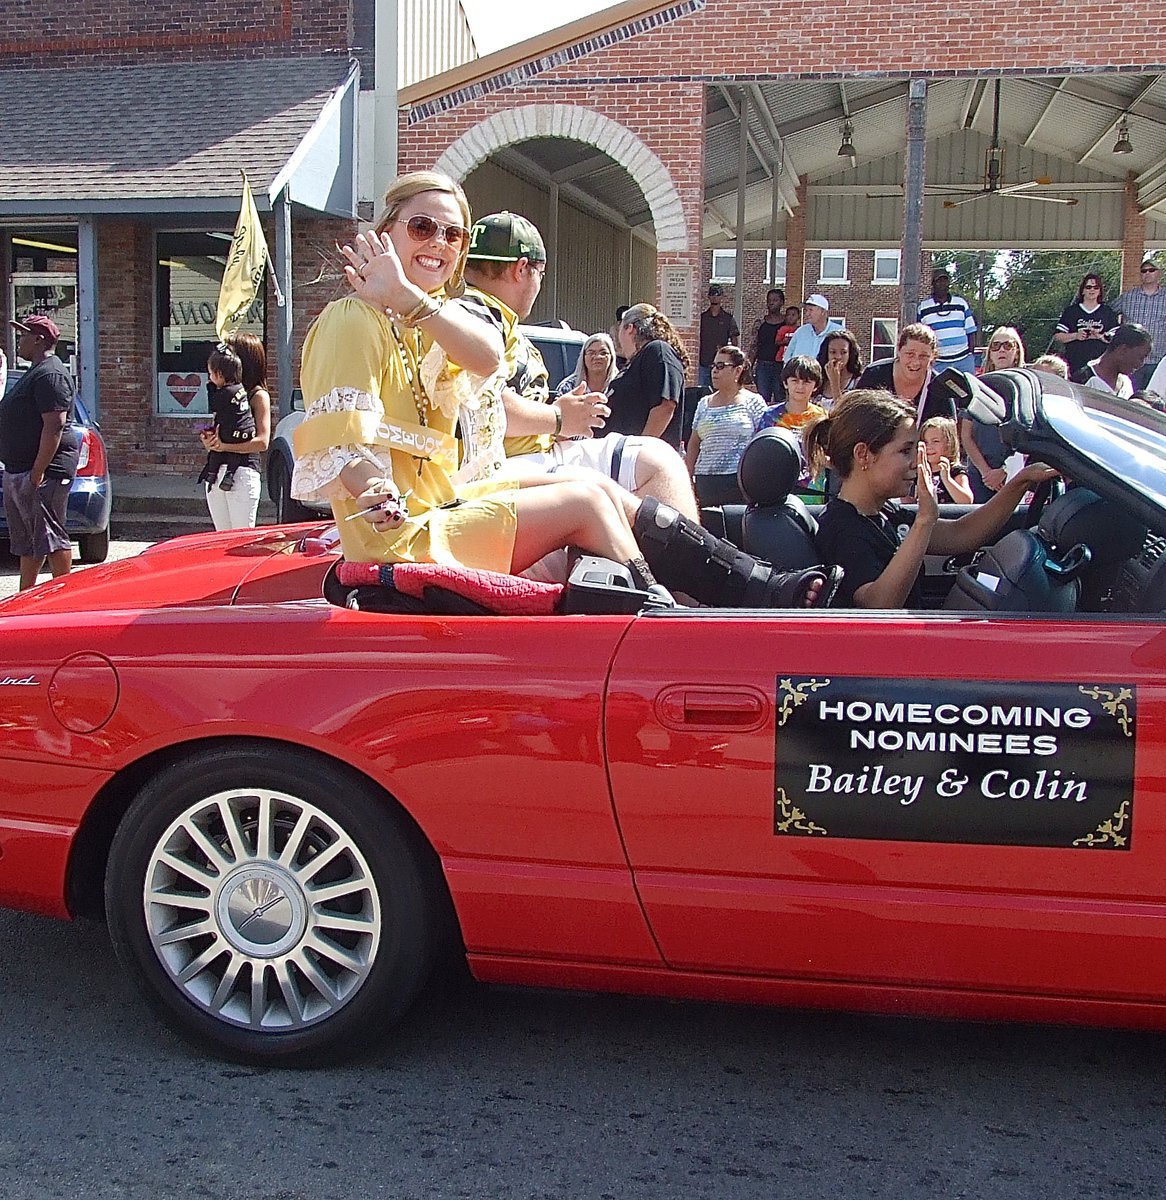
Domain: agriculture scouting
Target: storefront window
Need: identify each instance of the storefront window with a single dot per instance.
(190, 270)
(43, 280)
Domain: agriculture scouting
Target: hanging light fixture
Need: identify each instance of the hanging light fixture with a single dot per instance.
(1123, 145)
(846, 150)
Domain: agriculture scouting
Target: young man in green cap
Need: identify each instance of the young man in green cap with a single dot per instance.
(504, 272)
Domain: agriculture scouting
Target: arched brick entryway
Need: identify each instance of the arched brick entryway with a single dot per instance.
(581, 125)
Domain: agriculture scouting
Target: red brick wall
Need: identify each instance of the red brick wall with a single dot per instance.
(136, 439)
(859, 301)
(106, 32)
(667, 116)
(653, 83)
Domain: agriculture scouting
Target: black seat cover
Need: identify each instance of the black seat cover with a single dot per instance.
(775, 526)
(1081, 517)
(1017, 574)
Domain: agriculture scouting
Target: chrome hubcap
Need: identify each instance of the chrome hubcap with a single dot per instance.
(262, 910)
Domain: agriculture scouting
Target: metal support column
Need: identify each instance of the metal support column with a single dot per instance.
(551, 282)
(774, 213)
(913, 179)
(742, 177)
(384, 166)
(88, 373)
(283, 273)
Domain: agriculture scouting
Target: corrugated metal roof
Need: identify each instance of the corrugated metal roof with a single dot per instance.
(433, 36)
(173, 133)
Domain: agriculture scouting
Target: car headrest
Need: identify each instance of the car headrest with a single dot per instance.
(1081, 516)
(770, 467)
(997, 398)
(1020, 391)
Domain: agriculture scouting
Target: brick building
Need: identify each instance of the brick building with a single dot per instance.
(861, 285)
(646, 139)
(128, 129)
(783, 135)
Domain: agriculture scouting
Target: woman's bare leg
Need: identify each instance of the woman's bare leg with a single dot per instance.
(570, 512)
(626, 505)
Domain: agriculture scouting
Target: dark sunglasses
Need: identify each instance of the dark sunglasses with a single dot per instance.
(424, 229)
(1148, 270)
(1001, 345)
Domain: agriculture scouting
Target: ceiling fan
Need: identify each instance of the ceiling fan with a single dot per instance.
(994, 184)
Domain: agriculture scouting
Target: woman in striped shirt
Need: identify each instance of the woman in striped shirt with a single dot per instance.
(721, 428)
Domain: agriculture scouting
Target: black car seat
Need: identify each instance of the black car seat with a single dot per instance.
(775, 525)
(1022, 572)
(1081, 517)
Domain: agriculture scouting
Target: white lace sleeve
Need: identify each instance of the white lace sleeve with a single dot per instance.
(316, 476)
(450, 387)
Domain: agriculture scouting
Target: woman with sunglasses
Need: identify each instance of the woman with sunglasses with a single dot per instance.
(982, 444)
(389, 371)
(1086, 325)
(722, 426)
(596, 367)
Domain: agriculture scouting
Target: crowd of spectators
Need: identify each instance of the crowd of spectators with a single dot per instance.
(799, 367)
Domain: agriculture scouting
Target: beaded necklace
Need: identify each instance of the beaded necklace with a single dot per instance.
(410, 359)
(409, 363)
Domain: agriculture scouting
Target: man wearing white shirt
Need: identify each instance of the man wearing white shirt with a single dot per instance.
(808, 336)
(1113, 372)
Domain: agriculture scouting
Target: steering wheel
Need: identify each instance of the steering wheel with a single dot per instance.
(1048, 490)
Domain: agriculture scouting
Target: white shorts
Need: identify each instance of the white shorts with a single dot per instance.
(614, 456)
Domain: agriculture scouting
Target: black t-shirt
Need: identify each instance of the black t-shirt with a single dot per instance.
(863, 546)
(1075, 320)
(715, 332)
(43, 388)
(234, 421)
(654, 374)
(766, 348)
(880, 376)
(942, 495)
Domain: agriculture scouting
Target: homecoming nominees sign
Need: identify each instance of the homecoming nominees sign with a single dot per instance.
(931, 760)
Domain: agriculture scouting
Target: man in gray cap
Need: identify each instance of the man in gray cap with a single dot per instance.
(504, 272)
(39, 452)
(1146, 305)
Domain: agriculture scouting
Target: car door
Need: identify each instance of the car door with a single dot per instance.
(997, 822)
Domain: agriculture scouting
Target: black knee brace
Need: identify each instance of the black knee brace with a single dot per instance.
(686, 558)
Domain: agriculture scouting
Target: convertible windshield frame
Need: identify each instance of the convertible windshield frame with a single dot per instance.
(1110, 443)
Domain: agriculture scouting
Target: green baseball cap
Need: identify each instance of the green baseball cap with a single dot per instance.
(506, 237)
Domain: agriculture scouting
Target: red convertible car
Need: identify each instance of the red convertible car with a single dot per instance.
(290, 800)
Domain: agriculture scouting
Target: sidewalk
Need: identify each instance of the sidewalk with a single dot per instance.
(147, 508)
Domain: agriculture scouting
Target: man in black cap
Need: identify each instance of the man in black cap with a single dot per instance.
(40, 452)
(718, 328)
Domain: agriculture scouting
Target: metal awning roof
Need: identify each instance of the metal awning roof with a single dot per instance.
(1061, 127)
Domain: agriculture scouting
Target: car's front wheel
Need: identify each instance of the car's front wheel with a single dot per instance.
(270, 904)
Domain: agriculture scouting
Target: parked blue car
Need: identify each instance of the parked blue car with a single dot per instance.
(90, 498)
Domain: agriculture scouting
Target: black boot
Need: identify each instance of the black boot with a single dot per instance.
(686, 558)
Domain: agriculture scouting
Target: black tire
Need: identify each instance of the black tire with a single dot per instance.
(287, 510)
(94, 547)
(232, 949)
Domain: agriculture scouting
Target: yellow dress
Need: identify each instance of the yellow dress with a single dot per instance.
(361, 379)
